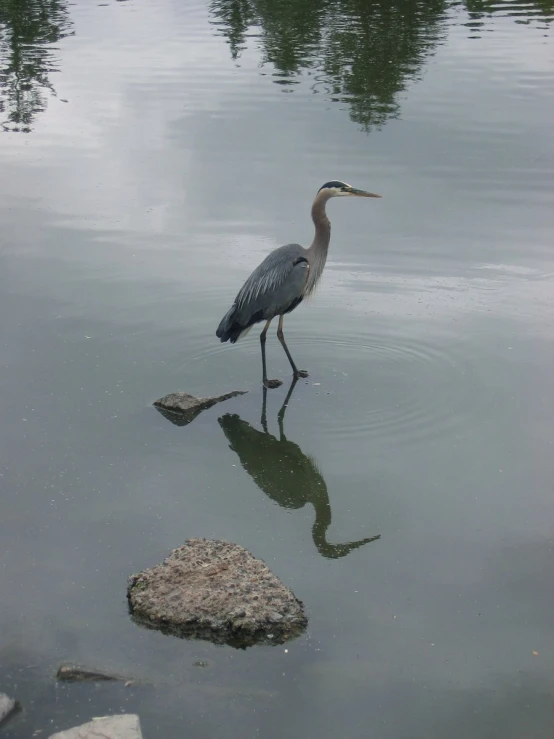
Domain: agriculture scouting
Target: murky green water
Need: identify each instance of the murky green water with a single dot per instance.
(152, 153)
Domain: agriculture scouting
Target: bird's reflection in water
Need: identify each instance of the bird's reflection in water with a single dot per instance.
(285, 474)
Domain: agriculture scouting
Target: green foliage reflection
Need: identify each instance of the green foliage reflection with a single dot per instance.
(363, 52)
(29, 29)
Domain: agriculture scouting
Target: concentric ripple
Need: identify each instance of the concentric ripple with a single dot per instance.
(397, 386)
(385, 385)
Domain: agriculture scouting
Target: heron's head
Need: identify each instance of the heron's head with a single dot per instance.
(336, 189)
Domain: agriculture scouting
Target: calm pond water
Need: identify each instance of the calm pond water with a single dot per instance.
(151, 154)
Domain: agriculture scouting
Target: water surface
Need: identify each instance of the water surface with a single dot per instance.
(150, 156)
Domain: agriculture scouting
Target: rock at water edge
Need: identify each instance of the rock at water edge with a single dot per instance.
(124, 726)
(182, 408)
(74, 673)
(7, 707)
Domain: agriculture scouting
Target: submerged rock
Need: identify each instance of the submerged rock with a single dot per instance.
(182, 408)
(7, 707)
(218, 591)
(123, 726)
(73, 673)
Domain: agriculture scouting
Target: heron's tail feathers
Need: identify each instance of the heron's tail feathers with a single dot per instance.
(232, 328)
(231, 334)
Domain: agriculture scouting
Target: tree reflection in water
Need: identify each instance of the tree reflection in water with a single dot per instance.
(29, 30)
(361, 52)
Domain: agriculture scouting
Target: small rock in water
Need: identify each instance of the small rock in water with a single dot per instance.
(218, 591)
(124, 726)
(7, 707)
(73, 673)
(182, 408)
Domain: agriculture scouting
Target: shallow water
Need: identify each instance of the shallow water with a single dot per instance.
(150, 155)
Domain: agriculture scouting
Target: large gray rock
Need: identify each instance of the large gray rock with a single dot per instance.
(182, 408)
(215, 590)
(124, 726)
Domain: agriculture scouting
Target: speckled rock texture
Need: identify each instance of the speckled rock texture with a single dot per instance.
(7, 707)
(215, 590)
(123, 726)
(182, 408)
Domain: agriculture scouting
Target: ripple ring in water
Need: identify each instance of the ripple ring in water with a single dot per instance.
(440, 399)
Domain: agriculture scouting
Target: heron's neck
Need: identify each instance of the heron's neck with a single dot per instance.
(320, 244)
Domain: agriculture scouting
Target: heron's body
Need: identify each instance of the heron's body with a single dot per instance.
(285, 277)
(274, 288)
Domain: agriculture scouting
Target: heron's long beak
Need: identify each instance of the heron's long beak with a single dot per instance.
(363, 193)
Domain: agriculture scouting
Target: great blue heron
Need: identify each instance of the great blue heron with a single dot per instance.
(285, 277)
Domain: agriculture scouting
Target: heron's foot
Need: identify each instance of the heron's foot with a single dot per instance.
(301, 373)
(273, 383)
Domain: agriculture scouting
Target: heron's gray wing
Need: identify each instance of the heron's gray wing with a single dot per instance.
(275, 287)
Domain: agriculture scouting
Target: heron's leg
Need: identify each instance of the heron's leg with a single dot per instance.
(267, 383)
(280, 336)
